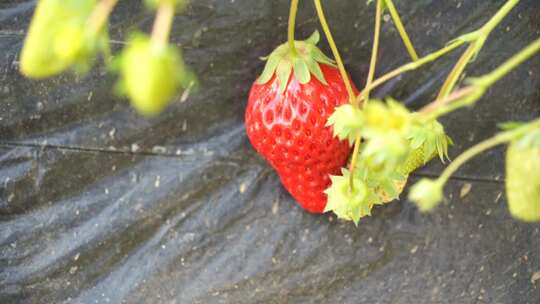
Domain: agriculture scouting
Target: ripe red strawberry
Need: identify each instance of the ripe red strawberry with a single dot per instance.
(286, 116)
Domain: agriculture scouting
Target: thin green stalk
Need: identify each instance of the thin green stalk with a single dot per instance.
(456, 72)
(375, 49)
(292, 22)
(163, 23)
(412, 66)
(474, 48)
(401, 30)
(499, 16)
(498, 139)
(510, 64)
(335, 52)
(479, 85)
(100, 14)
(454, 96)
(371, 75)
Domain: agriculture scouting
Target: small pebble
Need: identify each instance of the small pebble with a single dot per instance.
(535, 277)
(465, 190)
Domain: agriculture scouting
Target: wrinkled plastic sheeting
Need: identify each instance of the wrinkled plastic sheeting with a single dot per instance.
(100, 205)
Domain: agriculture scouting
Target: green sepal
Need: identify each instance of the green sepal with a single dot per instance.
(320, 57)
(315, 69)
(269, 68)
(346, 122)
(301, 71)
(431, 138)
(313, 38)
(282, 62)
(283, 73)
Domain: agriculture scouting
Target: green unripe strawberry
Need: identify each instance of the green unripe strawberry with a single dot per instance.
(426, 140)
(414, 161)
(523, 181)
(55, 39)
(151, 74)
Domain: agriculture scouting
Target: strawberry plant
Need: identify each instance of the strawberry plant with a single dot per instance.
(70, 34)
(335, 148)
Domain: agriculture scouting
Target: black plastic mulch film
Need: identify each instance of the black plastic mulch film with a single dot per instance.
(100, 205)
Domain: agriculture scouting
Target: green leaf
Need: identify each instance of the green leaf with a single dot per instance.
(283, 72)
(301, 71)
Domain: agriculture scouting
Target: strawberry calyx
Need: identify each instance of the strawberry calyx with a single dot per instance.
(431, 138)
(349, 204)
(304, 62)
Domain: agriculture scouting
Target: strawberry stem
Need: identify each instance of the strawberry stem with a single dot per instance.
(100, 14)
(478, 35)
(459, 94)
(510, 64)
(401, 29)
(371, 74)
(162, 24)
(412, 66)
(487, 144)
(335, 51)
(479, 85)
(374, 50)
(292, 21)
(474, 47)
